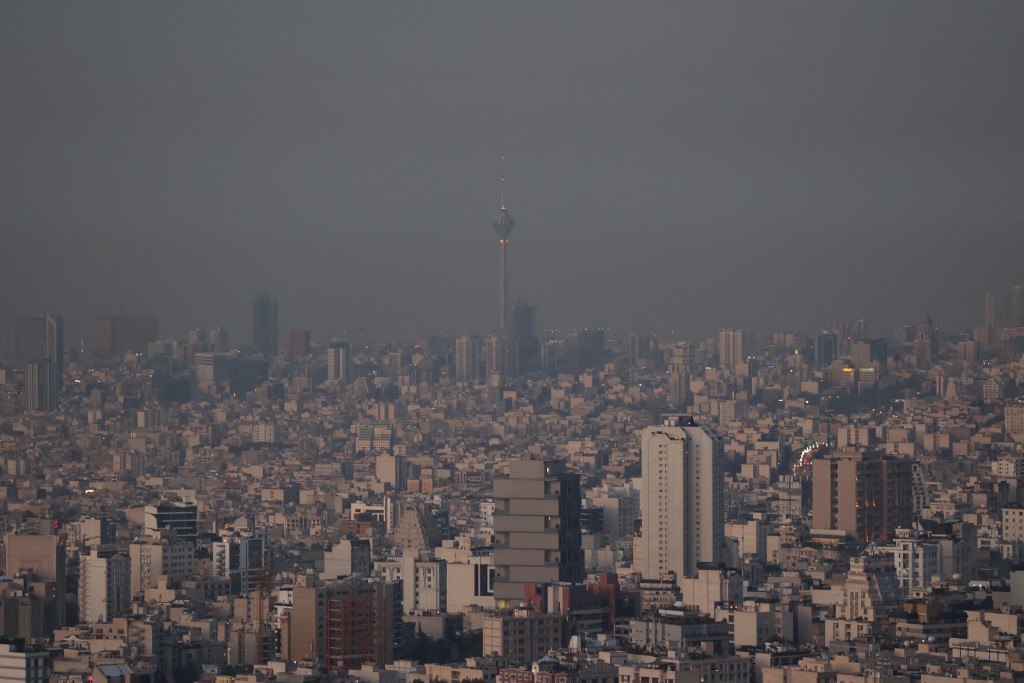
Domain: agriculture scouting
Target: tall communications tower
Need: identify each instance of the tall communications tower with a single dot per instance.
(503, 226)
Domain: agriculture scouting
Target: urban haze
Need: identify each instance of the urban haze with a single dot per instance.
(675, 166)
(577, 342)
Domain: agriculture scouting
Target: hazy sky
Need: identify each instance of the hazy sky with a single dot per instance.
(671, 166)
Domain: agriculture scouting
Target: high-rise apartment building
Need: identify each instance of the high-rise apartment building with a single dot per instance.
(20, 662)
(730, 348)
(264, 325)
(990, 317)
(679, 375)
(240, 557)
(44, 559)
(866, 494)
(339, 362)
(42, 385)
(521, 635)
(344, 624)
(40, 338)
(467, 358)
(39, 351)
(162, 555)
(298, 343)
(1015, 312)
(642, 351)
(682, 499)
(536, 528)
(104, 586)
(916, 558)
(526, 345)
(826, 348)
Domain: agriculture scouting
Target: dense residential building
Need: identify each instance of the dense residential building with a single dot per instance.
(466, 498)
(21, 663)
(730, 349)
(866, 494)
(681, 499)
(162, 556)
(344, 624)
(240, 556)
(536, 528)
(42, 560)
(339, 362)
(42, 385)
(521, 635)
(104, 586)
(467, 358)
(916, 558)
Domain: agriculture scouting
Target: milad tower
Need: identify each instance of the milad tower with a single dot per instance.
(503, 226)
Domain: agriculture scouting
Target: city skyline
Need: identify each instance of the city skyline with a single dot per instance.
(687, 168)
(744, 405)
(994, 312)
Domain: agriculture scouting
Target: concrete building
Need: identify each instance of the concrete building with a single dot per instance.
(180, 517)
(264, 325)
(866, 494)
(682, 498)
(240, 557)
(22, 664)
(467, 358)
(679, 375)
(339, 362)
(730, 349)
(525, 351)
(348, 556)
(916, 559)
(424, 582)
(344, 624)
(470, 580)
(1013, 421)
(536, 528)
(104, 586)
(40, 338)
(521, 636)
(164, 554)
(298, 343)
(42, 385)
(826, 348)
(44, 559)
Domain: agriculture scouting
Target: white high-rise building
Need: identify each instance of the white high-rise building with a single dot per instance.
(103, 587)
(339, 362)
(682, 502)
(164, 554)
(916, 558)
(730, 348)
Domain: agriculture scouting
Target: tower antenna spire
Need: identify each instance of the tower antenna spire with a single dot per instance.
(502, 181)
